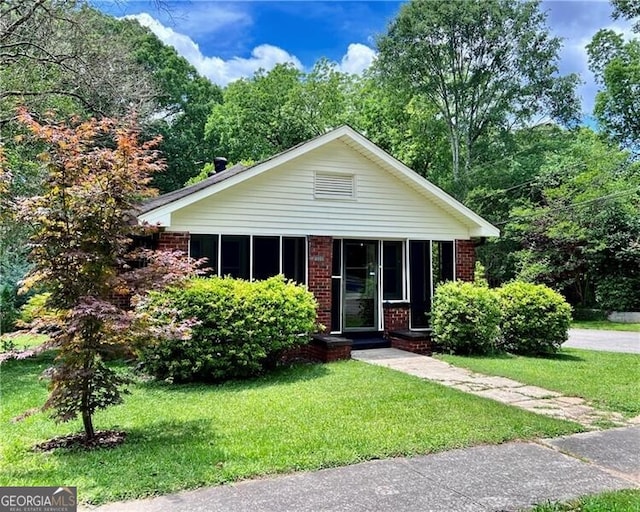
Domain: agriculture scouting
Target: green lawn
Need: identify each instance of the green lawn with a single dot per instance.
(605, 325)
(617, 501)
(304, 417)
(21, 342)
(608, 380)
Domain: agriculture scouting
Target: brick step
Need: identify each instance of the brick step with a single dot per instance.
(419, 342)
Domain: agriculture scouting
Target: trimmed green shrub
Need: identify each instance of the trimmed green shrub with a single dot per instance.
(535, 318)
(241, 327)
(466, 318)
(618, 293)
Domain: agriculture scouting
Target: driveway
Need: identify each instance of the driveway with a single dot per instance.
(609, 341)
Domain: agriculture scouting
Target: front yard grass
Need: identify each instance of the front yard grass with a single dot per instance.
(616, 501)
(301, 418)
(608, 380)
(21, 341)
(605, 325)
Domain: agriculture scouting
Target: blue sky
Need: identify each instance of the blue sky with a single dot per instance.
(229, 40)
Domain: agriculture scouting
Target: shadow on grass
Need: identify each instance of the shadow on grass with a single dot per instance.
(295, 373)
(560, 356)
(507, 356)
(172, 433)
(168, 449)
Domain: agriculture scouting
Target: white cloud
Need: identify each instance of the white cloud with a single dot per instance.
(218, 70)
(206, 18)
(358, 58)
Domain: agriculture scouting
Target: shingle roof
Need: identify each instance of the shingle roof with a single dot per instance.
(185, 191)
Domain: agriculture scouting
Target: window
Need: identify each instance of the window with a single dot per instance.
(142, 242)
(235, 256)
(294, 259)
(431, 263)
(205, 246)
(334, 186)
(392, 270)
(442, 261)
(420, 282)
(266, 256)
(336, 287)
(253, 257)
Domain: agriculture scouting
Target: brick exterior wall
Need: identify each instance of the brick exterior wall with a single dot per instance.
(396, 316)
(174, 241)
(465, 259)
(320, 256)
(316, 352)
(423, 346)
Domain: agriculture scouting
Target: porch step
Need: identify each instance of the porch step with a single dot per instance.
(407, 334)
(367, 343)
(419, 342)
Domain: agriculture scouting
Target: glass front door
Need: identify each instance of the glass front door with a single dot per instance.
(360, 285)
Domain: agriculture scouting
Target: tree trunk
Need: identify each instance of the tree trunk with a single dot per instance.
(455, 153)
(87, 421)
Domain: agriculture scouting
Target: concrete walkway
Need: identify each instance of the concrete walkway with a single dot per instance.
(507, 477)
(610, 341)
(507, 391)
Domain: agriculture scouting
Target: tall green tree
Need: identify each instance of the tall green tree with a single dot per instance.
(64, 55)
(579, 230)
(504, 177)
(483, 64)
(183, 100)
(616, 66)
(628, 9)
(402, 124)
(275, 110)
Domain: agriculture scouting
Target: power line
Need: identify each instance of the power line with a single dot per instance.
(574, 205)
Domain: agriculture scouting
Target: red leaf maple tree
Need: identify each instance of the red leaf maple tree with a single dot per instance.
(97, 173)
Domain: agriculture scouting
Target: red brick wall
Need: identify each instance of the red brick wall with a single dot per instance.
(174, 241)
(465, 259)
(320, 255)
(313, 352)
(423, 346)
(396, 317)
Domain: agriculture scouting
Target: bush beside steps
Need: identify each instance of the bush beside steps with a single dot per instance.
(522, 318)
(240, 327)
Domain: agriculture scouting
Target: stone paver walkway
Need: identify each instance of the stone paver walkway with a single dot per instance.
(508, 391)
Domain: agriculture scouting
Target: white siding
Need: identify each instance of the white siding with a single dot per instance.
(281, 201)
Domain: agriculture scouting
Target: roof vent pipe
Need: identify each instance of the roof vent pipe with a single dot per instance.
(220, 163)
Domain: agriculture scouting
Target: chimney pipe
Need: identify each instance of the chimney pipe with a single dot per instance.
(220, 163)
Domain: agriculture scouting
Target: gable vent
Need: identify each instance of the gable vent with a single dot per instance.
(334, 186)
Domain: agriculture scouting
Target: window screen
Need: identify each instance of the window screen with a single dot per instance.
(266, 256)
(205, 246)
(294, 259)
(235, 256)
(392, 270)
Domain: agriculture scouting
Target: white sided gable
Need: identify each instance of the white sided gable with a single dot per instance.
(332, 190)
